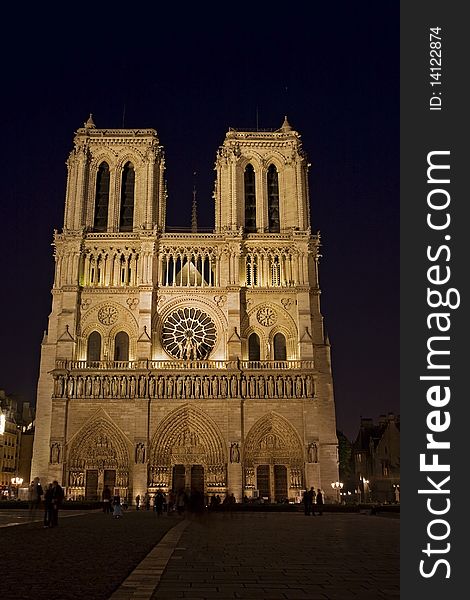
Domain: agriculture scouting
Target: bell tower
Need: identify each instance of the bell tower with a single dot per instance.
(261, 183)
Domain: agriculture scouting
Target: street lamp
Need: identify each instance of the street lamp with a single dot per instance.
(396, 487)
(338, 486)
(365, 485)
(17, 481)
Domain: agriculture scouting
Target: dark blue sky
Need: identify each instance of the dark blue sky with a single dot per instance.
(333, 71)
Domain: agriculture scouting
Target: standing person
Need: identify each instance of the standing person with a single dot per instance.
(312, 499)
(48, 507)
(137, 502)
(170, 507)
(57, 497)
(117, 509)
(35, 493)
(147, 501)
(158, 502)
(106, 496)
(320, 502)
(307, 499)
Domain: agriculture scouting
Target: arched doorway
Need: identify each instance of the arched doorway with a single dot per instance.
(273, 466)
(188, 451)
(98, 457)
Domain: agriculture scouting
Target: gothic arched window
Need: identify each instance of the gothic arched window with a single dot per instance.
(280, 347)
(250, 200)
(93, 349)
(273, 200)
(121, 346)
(126, 218)
(253, 347)
(100, 222)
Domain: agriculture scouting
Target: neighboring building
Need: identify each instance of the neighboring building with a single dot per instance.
(9, 444)
(377, 459)
(194, 360)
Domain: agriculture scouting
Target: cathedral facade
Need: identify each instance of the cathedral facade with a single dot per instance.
(186, 360)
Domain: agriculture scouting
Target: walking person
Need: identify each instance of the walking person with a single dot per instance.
(35, 492)
(320, 502)
(106, 497)
(158, 502)
(137, 502)
(308, 498)
(57, 497)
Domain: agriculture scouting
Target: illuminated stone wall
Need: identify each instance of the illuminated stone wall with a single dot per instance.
(189, 394)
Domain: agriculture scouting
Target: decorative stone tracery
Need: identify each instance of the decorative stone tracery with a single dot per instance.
(187, 436)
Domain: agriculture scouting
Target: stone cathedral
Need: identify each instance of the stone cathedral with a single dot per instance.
(186, 360)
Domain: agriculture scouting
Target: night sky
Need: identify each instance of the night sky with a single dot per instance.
(333, 71)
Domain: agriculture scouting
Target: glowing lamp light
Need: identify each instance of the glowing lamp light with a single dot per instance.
(2, 423)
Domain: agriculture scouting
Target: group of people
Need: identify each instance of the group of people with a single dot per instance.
(53, 497)
(112, 504)
(159, 502)
(312, 499)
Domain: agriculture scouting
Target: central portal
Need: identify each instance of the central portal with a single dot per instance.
(188, 477)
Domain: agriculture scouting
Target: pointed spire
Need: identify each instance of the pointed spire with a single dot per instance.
(285, 126)
(89, 124)
(194, 208)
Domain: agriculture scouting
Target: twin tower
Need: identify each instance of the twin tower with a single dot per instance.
(186, 360)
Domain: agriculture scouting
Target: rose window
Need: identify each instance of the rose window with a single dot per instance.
(266, 316)
(107, 315)
(189, 333)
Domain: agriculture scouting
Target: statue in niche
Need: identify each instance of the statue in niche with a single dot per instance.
(280, 387)
(160, 387)
(223, 387)
(106, 387)
(234, 452)
(96, 387)
(114, 385)
(132, 387)
(71, 386)
(298, 387)
(309, 386)
(123, 386)
(206, 387)
(88, 386)
(233, 386)
(215, 387)
(252, 386)
(288, 387)
(312, 453)
(152, 386)
(80, 387)
(170, 387)
(140, 453)
(261, 386)
(197, 387)
(243, 386)
(142, 386)
(55, 453)
(179, 386)
(187, 386)
(270, 387)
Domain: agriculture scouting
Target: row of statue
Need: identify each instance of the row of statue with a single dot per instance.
(215, 476)
(183, 386)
